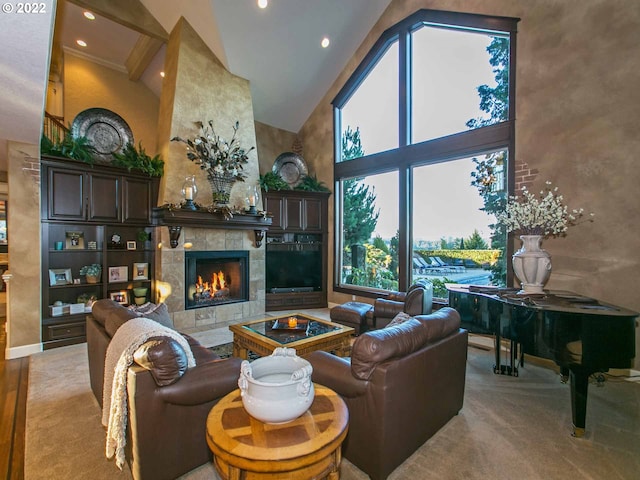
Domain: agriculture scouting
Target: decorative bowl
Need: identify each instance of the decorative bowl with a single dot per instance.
(278, 388)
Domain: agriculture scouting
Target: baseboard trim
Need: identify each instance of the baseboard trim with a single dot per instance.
(22, 351)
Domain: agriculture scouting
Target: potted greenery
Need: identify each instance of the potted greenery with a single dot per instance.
(77, 148)
(312, 184)
(143, 237)
(92, 272)
(136, 158)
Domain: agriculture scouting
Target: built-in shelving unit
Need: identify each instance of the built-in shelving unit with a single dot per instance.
(296, 250)
(92, 215)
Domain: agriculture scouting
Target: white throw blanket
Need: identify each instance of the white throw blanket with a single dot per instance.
(123, 345)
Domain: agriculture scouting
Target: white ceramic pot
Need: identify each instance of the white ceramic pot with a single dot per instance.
(278, 388)
(532, 264)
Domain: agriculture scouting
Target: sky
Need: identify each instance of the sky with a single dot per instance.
(445, 97)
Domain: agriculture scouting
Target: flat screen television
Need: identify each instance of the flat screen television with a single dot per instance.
(294, 269)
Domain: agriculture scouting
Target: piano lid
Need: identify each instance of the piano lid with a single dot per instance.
(552, 300)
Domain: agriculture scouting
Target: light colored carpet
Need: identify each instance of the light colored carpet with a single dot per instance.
(508, 428)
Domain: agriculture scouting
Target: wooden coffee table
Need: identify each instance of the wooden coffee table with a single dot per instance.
(307, 447)
(262, 337)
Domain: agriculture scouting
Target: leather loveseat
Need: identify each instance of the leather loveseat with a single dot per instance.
(168, 403)
(401, 385)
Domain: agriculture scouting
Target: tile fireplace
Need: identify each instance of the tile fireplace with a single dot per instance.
(173, 283)
(216, 278)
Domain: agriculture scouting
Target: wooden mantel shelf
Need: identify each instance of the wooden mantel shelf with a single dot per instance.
(175, 219)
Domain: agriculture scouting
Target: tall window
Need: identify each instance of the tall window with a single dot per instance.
(424, 133)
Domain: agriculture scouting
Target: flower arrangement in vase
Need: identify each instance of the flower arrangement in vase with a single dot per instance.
(534, 218)
(223, 161)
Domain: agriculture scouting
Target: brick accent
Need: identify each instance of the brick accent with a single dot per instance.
(524, 176)
(31, 166)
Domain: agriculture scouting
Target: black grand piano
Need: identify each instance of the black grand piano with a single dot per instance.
(582, 335)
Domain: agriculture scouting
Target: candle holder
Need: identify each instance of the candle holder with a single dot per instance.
(189, 192)
(252, 193)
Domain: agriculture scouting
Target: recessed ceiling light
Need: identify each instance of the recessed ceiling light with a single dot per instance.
(82, 43)
(263, 3)
(325, 42)
(162, 74)
(89, 15)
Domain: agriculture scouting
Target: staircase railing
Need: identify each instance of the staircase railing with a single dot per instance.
(54, 128)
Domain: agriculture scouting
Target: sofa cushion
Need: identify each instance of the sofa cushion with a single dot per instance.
(398, 319)
(159, 313)
(115, 318)
(440, 323)
(102, 309)
(164, 358)
(378, 346)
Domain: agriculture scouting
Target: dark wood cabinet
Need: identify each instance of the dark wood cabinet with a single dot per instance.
(296, 251)
(65, 194)
(96, 205)
(295, 211)
(104, 197)
(73, 191)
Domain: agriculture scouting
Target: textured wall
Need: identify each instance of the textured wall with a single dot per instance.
(578, 71)
(576, 125)
(197, 87)
(272, 142)
(24, 249)
(89, 85)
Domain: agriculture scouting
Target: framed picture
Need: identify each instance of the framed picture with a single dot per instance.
(118, 274)
(60, 276)
(121, 297)
(74, 240)
(116, 241)
(131, 245)
(141, 271)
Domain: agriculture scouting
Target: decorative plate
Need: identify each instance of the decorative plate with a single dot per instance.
(106, 131)
(291, 167)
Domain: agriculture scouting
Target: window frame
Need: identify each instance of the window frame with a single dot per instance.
(474, 142)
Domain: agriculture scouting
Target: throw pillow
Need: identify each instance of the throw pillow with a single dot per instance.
(159, 313)
(164, 358)
(399, 319)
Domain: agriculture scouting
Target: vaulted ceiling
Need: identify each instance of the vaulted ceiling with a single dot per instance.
(277, 49)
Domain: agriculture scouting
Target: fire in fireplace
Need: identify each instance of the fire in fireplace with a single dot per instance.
(216, 278)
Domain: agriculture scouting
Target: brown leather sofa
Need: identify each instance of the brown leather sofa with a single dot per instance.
(417, 300)
(401, 385)
(168, 403)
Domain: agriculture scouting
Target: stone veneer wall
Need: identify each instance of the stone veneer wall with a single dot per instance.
(576, 126)
(170, 270)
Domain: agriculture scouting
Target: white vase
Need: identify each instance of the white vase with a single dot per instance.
(532, 264)
(278, 388)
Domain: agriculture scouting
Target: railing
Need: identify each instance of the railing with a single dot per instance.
(54, 128)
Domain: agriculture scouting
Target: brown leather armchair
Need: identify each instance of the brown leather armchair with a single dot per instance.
(417, 300)
(168, 403)
(401, 385)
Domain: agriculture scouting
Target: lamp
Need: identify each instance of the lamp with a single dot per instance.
(253, 194)
(189, 192)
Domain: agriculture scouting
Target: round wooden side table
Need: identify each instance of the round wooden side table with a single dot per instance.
(307, 447)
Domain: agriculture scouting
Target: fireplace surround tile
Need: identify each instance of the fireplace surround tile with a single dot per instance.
(170, 272)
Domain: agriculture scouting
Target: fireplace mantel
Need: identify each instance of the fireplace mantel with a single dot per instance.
(176, 218)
